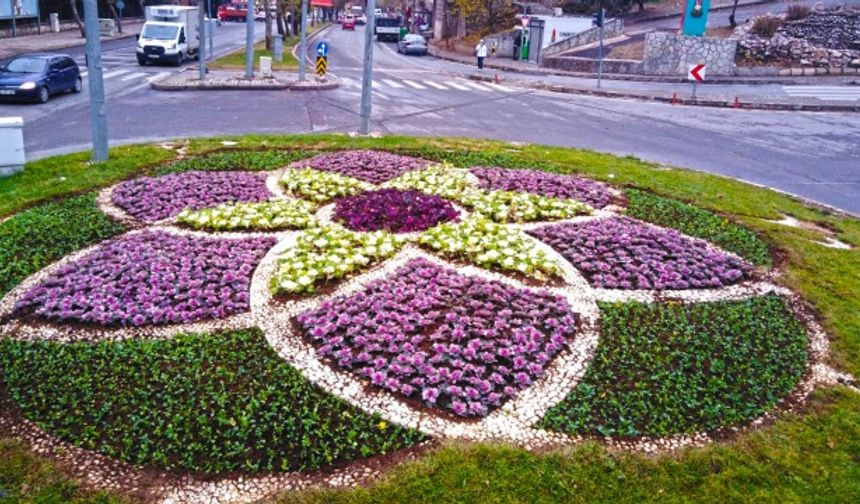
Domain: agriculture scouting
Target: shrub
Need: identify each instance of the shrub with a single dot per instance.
(796, 12)
(766, 26)
(699, 223)
(671, 369)
(39, 236)
(212, 403)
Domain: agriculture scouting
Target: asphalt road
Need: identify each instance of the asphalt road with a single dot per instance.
(814, 155)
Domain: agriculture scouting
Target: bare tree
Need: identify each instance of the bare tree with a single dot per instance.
(269, 38)
(112, 8)
(732, 22)
(77, 17)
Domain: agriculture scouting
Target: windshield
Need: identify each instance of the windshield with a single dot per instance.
(26, 65)
(414, 38)
(388, 22)
(159, 32)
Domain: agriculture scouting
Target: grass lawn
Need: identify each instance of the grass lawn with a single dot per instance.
(236, 60)
(813, 455)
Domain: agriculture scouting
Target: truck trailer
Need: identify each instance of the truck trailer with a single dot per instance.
(169, 35)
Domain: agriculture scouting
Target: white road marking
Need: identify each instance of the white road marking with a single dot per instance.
(113, 74)
(414, 84)
(479, 87)
(394, 84)
(350, 82)
(499, 87)
(457, 86)
(133, 76)
(845, 93)
(436, 85)
(157, 76)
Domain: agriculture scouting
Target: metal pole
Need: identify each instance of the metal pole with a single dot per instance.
(249, 41)
(367, 76)
(14, 23)
(600, 50)
(209, 29)
(98, 113)
(201, 40)
(303, 50)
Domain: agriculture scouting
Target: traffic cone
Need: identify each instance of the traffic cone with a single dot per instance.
(737, 102)
(674, 98)
(496, 78)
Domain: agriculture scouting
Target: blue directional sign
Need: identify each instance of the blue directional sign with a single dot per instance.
(322, 49)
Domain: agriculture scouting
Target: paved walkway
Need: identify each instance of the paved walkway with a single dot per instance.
(49, 41)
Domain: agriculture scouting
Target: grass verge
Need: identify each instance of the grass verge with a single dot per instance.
(236, 60)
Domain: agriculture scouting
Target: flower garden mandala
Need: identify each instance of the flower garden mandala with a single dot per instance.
(430, 300)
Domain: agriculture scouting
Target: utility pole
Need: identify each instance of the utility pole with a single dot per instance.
(209, 29)
(98, 114)
(201, 39)
(249, 41)
(303, 50)
(601, 20)
(367, 76)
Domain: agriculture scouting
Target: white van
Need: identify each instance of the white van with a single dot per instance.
(169, 35)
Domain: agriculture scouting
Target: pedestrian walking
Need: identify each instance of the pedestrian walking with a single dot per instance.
(481, 53)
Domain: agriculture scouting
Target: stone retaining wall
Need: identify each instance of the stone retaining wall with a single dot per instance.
(589, 65)
(671, 54)
(611, 28)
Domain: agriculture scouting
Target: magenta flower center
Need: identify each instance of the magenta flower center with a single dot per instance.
(394, 211)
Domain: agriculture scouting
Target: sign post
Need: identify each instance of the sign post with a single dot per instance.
(695, 74)
(322, 58)
(367, 73)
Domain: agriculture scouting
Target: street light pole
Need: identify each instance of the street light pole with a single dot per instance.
(367, 77)
(201, 40)
(98, 114)
(249, 41)
(303, 50)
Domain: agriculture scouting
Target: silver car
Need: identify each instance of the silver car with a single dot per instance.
(412, 44)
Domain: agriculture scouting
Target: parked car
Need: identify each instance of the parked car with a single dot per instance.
(233, 12)
(362, 20)
(348, 22)
(35, 77)
(412, 44)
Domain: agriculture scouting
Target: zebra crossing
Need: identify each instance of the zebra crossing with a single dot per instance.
(828, 93)
(128, 75)
(390, 83)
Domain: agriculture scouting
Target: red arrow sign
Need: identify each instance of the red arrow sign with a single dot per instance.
(696, 73)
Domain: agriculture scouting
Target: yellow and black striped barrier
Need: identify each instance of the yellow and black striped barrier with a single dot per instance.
(322, 65)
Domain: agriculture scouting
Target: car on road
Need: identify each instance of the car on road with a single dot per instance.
(348, 23)
(412, 44)
(362, 20)
(35, 77)
(233, 12)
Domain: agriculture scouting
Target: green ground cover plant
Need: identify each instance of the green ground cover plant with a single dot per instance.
(699, 223)
(41, 235)
(236, 160)
(674, 369)
(213, 403)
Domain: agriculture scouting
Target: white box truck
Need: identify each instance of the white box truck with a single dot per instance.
(169, 35)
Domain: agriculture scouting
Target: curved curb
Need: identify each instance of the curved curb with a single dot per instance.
(219, 87)
(788, 107)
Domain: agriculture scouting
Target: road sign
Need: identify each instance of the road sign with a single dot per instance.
(120, 4)
(696, 73)
(322, 49)
(524, 20)
(322, 65)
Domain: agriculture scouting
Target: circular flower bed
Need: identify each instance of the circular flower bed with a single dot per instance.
(393, 210)
(518, 312)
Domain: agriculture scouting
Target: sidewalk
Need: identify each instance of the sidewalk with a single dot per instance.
(49, 41)
(528, 68)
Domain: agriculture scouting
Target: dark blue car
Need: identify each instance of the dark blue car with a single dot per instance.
(35, 77)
